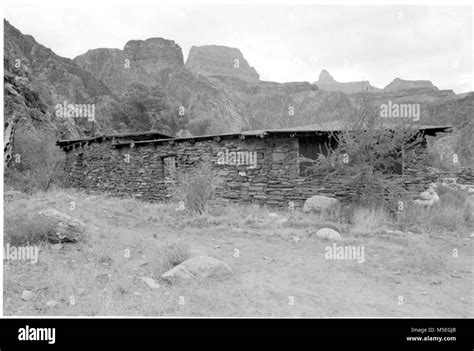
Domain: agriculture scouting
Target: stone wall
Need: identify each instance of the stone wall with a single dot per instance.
(140, 172)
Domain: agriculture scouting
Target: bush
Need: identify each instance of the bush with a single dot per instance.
(37, 162)
(440, 218)
(369, 151)
(195, 188)
(170, 256)
(23, 228)
(456, 198)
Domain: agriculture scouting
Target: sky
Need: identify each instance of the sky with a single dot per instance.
(283, 43)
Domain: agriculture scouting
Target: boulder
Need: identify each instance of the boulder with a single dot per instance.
(178, 273)
(435, 197)
(51, 304)
(328, 234)
(319, 204)
(425, 195)
(427, 198)
(67, 229)
(198, 267)
(27, 295)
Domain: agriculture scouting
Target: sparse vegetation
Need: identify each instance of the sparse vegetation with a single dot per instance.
(368, 221)
(271, 262)
(368, 150)
(170, 255)
(23, 228)
(37, 163)
(196, 187)
(453, 214)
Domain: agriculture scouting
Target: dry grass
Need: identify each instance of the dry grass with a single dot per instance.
(23, 225)
(127, 239)
(195, 188)
(170, 255)
(369, 221)
(453, 214)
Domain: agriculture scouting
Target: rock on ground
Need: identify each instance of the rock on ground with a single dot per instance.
(198, 267)
(51, 303)
(13, 194)
(67, 229)
(425, 195)
(150, 282)
(319, 204)
(394, 232)
(177, 273)
(428, 197)
(328, 234)
(27, 295)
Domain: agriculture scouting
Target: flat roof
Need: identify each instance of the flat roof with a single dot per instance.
(136, 136)
(306, 130)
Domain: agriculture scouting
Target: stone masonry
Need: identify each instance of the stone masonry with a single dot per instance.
(139, 170)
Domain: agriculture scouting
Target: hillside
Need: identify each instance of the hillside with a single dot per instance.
(146, 85)
(36, 80)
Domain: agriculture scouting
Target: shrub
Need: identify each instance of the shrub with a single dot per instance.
(368, 152)
(37, 162)
(369, 220)
(454, 197)
(196, 187)
(171, 255)
(445, 216)
(24, 228)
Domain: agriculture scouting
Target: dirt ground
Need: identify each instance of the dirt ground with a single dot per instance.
(279, 270)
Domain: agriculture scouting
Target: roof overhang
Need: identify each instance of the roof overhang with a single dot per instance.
(157, 138)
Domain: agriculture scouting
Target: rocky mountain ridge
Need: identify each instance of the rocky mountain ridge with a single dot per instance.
(327, 82)
(217, 90)
(215, 60)
(36, 81)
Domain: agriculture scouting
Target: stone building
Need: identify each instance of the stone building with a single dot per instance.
(266, 167)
